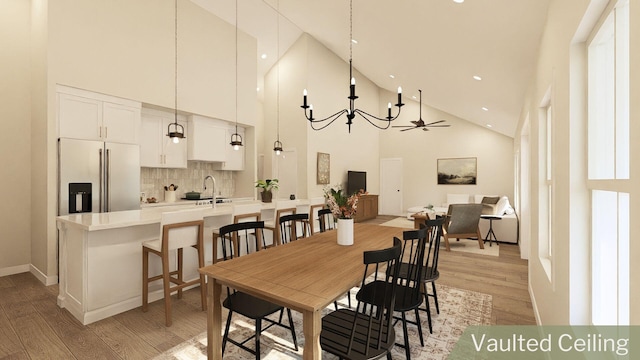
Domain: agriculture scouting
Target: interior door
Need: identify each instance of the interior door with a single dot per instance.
(391, 187)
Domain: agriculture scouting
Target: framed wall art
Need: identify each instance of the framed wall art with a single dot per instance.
(457, 171)
(323, 171)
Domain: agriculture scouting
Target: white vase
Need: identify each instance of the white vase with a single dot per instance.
(345, 231)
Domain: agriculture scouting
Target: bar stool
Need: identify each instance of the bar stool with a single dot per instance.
(178, 230)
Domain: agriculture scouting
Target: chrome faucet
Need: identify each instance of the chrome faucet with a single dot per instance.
(204, 185)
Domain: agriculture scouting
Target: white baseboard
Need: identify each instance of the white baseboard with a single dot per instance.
(535, 306)
(46, 280)
(14, 270)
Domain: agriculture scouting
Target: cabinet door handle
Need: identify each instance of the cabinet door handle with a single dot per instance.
(100, 131)
(105, 132)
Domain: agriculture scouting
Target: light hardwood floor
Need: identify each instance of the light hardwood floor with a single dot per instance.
(32, 326)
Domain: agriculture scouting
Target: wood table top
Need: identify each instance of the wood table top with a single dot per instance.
(304, 275)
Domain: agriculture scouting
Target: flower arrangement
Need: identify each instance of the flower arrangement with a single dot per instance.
(342, 206)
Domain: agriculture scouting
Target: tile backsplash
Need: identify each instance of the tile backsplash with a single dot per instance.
(153, 180)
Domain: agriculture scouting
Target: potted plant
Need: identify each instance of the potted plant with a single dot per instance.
(267, 186)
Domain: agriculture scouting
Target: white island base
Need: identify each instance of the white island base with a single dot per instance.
(100, 265)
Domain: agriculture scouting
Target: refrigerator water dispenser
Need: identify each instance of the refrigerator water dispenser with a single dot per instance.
(79, 197)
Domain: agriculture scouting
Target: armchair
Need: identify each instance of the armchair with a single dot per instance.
(462, 222)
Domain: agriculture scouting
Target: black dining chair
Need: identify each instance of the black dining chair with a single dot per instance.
(294, 227)
(325, 219)
(430, 271)
(409, 286)
(365, 333)
(244, 304)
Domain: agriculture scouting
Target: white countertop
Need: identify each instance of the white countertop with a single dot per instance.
(149, 215)
(120, 219)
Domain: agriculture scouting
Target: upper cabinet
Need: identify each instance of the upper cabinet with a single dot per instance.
(92, 116)
(209, 140)
(156, 148)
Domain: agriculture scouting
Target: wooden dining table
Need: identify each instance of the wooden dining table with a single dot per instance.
(306, 275)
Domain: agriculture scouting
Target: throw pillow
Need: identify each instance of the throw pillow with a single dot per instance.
(491, 200)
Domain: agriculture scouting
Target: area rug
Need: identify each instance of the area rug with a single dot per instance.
(464, 245)
(458, 309)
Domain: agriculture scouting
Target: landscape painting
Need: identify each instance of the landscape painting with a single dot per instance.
(459, 171)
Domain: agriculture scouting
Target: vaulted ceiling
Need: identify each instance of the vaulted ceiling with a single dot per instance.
(434, 45)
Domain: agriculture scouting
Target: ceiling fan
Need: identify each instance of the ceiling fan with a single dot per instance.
(420, 123)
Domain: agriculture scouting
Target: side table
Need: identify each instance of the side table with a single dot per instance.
(491, 236)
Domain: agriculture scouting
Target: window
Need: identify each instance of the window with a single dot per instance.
(545, 244)
(608, 166)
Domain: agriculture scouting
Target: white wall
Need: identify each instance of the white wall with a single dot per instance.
(126, 49)
(563, 298)
(15, 148)
(420, 151)
(310, 65)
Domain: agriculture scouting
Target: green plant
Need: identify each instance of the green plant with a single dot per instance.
(267, 185)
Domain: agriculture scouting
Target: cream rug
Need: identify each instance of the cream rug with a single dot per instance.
(464, 245)
(458, 309)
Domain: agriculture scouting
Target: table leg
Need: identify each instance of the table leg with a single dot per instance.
(312, 324)
(214, 320)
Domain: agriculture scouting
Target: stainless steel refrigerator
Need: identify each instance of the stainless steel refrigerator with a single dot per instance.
(97, 176)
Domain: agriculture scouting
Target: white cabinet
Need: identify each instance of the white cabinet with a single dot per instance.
(156, 148)
(91, 116)
(234, 159)
(207, 139)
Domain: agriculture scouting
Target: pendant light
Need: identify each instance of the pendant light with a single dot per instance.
(277, 145)
(236, 139)
(175, 131)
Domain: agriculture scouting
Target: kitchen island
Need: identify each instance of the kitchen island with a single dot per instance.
(100, 257)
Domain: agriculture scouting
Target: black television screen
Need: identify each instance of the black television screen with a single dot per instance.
(356, 180)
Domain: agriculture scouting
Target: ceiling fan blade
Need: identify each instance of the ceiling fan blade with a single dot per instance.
(436, 122)
(425, 129)
(411, 128)
(403, 126)
(445, 125)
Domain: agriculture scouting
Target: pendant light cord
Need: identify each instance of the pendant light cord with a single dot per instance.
(175, 93)
(278, 71)
(236, 66)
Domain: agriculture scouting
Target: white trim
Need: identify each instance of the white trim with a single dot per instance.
(14, 270)
(46, 280)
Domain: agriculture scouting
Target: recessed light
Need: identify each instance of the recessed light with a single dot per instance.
(477, 77)
(391, 76)
(258, 89)
(489, 126)
(264, 56)
(354, 41)
(414, 97)
(458, 1)
(485, 109)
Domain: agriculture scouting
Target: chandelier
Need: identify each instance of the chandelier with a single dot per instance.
(380, 123)
(177, 132)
